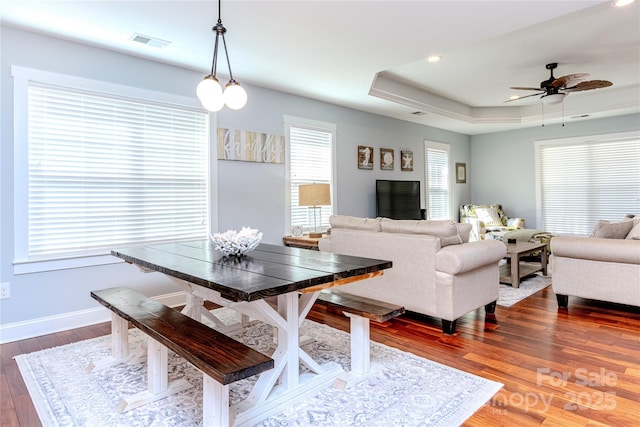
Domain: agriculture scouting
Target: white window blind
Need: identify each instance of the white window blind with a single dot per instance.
(583, 182)
(310, 156)
(107, 171)
(437, 183)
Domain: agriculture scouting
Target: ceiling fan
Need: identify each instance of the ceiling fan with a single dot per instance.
(555, 89)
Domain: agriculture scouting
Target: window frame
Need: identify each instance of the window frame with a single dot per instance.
(439, 146)
(22, 77)
(294, 121)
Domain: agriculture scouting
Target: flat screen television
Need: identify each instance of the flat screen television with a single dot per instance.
(398, 199)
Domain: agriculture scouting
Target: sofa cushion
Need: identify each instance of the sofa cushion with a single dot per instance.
(355, 223)
(612, 230)
(445, 229)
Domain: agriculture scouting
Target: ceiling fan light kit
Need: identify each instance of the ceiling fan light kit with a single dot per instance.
(553, 98)
(209, 90)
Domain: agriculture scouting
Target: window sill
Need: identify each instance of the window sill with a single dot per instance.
(41, 266)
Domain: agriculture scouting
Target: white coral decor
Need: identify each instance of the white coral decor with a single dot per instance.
(236, 243)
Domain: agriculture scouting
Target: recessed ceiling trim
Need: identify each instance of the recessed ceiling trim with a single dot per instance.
(618, 101)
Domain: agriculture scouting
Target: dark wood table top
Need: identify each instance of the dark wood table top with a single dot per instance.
(266, 271)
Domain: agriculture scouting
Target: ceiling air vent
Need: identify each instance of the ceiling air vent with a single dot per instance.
(419, 113)
(149, 41)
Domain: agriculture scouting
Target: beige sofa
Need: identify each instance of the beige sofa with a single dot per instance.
(603, 268)
(435, 272)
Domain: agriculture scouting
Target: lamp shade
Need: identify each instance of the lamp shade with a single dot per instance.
(314, 195)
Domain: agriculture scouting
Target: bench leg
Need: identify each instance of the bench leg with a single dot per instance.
(157, 367)
(119, 346)
(158, 386)
(360, 346)
(215, 403)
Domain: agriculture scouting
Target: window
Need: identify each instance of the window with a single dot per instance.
(103, 171)
(310, 160)
(583, 180)
(437, 179)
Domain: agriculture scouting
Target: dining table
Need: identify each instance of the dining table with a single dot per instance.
(273, 284)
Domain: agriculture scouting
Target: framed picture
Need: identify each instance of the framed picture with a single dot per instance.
(461, 173)
(406, 161)
(386, 159)
(365, 157)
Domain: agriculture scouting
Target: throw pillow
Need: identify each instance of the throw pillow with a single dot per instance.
(464, 231)
(612, 230)
(634, 233)
(489, 215)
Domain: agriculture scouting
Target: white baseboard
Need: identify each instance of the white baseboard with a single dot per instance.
(76, 319)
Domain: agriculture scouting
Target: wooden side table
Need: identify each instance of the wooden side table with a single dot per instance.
(304, 242)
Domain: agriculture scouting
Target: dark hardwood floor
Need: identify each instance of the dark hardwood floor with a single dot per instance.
(579, 366)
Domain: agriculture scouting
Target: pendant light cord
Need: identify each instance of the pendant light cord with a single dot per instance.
(220, 30)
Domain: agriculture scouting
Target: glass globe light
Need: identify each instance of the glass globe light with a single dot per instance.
(208, 90)
(234, 95)
(213, 104)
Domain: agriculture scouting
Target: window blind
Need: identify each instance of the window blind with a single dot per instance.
(582, 183)
(438, 183)
(106, 171)
(310, 162)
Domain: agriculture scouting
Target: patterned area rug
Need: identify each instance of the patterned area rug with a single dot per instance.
(509, 295)
(407, 391)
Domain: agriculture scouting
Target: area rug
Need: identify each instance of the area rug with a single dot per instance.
(407, 391)
(509, 295)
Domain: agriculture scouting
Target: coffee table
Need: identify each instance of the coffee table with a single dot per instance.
(514, 269)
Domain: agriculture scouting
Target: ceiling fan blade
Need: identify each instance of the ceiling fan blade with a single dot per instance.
(526, 96)
(570, 80)
(588, 85)
(525, 88)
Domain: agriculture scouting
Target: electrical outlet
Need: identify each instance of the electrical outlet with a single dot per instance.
(5, 290)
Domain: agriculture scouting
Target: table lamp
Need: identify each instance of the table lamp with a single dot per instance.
(314, 196)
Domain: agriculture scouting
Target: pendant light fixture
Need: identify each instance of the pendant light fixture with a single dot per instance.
(209, 91)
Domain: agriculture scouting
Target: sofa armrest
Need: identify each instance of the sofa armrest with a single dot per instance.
(465, 257)
(597, 249)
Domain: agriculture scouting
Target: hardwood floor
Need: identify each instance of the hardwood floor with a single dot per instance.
(579, 366)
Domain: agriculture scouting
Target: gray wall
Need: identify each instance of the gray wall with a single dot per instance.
(249, 194)
(503, 164)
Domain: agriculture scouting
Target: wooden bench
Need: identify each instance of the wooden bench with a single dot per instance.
(221, 359)
(360, 311)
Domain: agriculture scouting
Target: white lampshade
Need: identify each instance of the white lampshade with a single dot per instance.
(553, 98)
(235, 96)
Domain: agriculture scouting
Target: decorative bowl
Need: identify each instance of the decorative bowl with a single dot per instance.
(236, 243)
